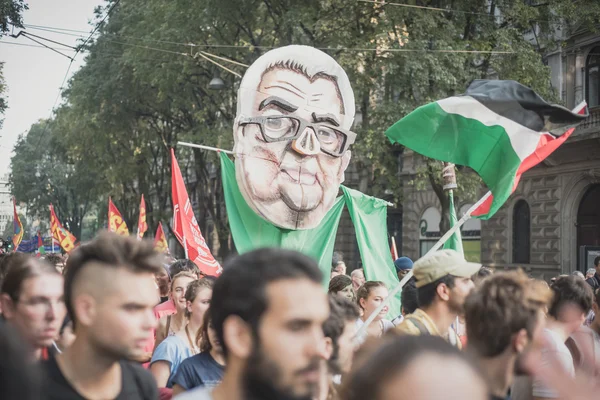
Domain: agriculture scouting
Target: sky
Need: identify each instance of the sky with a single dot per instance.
(34, 75)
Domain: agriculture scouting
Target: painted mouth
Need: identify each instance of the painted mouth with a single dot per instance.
(304, 178)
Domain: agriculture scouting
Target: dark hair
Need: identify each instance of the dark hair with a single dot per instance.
(112, 251)
(427, 294)
(364, 291)
(53, 258)
(202, 336)
(6, 261)
(20, 379)
(500, 307)
(374, 367)
(241, 289)
(194, 288)
(483, 273)
(408, 297)
(339, 283)
(570, 289)
(597, 261)
(341, 310)
(20, 268)
(181, 266)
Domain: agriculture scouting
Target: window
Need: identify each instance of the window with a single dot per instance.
(592, 77)
(429, 230)
(521, 233)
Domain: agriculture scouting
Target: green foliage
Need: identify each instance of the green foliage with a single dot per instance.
(10, 13)
(144, 87)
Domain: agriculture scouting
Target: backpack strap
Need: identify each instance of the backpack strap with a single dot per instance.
(418, 324)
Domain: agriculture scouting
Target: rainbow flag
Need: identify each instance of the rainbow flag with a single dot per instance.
(17, 226)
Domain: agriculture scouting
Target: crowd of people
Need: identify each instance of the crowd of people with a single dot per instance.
(119, 321)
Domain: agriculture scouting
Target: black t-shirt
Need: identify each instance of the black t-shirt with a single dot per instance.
(199, 370)
(137, 383)
(163, 299)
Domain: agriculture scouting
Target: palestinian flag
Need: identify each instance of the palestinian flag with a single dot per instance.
(500, 129)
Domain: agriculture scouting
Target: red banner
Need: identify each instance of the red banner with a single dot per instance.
(142, 225)
(185, 225)
(115, 220)
(65, 239)
(160, 241)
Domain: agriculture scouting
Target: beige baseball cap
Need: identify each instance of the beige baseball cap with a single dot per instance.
(430, 268)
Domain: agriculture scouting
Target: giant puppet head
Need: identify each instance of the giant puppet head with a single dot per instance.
(295, 107)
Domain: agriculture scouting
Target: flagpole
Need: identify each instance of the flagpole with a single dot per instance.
(199, 146)
(435, 247)
(185, 249)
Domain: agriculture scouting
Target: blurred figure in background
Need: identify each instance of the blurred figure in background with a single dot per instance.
(505, 319)
(170, 324)
(358, 278)
(19, 377)
(171, 352)
(590, 273)
(369, 298)
(412, 368)
(403, 266)
(204, 369)
(342, 285)
(32, 302)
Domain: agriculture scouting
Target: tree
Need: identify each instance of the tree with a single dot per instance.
(10, 13)
(144, 87)
(43, 173)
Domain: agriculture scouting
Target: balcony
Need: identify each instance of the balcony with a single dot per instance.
(590, 128)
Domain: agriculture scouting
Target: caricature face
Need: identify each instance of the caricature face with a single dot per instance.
(289, 168)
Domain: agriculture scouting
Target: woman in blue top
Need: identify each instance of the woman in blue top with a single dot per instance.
(204, 369)
(173, 350)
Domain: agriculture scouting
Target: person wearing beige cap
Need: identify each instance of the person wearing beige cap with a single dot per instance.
(443, 281)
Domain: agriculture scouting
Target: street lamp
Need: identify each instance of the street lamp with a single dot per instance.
(216, 83)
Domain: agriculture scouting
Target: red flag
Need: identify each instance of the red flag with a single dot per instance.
(160, 241)
(547, 145)
(186, 227)
(115, 220)
(65, 239)
(394, 250)
(142, 225)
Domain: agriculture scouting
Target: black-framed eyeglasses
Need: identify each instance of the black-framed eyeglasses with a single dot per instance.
(333, 140)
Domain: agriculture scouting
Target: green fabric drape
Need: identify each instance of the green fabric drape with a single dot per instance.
(369, 216)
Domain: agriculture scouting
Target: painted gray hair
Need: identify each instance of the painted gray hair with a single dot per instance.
(305, 59)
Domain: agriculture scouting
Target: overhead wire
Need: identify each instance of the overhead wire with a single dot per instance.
(61, 88)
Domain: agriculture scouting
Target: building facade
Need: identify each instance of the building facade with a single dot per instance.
(551, 224)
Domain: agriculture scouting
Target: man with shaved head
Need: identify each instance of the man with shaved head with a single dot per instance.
(110, 292)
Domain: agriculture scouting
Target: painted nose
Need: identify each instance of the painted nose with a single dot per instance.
(307, 144)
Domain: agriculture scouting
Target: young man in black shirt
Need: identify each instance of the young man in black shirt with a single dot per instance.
(109, 292)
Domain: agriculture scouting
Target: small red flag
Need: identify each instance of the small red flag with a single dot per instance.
(115, 220)
(142, 225)
(65, 239)
(160, 241)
